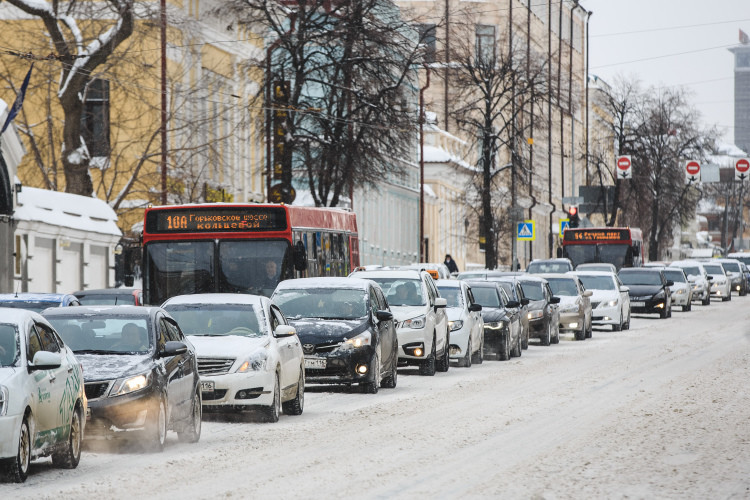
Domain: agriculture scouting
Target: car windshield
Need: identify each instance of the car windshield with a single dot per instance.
(109, 299)
(676, 276)
(548, 267)
(244, 320)
(9, 345)
(401, 291)
(595, 267)
(564, 287)
(104, 334)
(323, 303)
(731, 267)
(641, 278)
(692, 271)
(487, 297)
(452, 294)
(532, 290)
(713, 268)
(598, 282)
(30, 305)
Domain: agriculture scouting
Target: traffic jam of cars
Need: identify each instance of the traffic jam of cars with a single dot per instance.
(81, 367)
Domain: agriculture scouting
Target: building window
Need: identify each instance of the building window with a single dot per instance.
(428, 40)
(743, 60)
(485, 44)
(95, 118)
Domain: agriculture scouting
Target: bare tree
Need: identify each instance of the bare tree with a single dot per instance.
(496, 85)
(343, 81)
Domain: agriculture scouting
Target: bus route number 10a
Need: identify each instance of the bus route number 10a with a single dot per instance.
(176, 222)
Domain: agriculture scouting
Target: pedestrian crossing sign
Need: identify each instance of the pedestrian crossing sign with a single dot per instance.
(525, 231)
(564, 224)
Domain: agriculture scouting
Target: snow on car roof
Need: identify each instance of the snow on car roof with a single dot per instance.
(394, 273)
(40, 297)
(93, 310)
(326, 282)
(591, 273)
(15, 315)
(215, 298)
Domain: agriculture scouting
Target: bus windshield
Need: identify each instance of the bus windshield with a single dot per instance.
(229, 266)
(617, 254)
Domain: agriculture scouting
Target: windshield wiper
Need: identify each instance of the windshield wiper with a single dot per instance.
(101, 351)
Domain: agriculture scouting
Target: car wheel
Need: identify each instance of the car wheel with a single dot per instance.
(18, 468)
(547, 337)
(687, 307)
(663, 313)
(390, 381)
(517, 350)
(706, 300)
(581, 334)
(156, 430)
(466, 360)
(191, 432)
(478, 357)
(372, 386)
(556, 338)
(525, 340)
(271, 413)
(296, 405)
(504, 353)
(445, 360)
(427, 367)
(589, 330)
(619, 325)
(727, 298)
(626, 326)
(69, 457)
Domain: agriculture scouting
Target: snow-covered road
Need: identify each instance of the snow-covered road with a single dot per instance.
(660, 411)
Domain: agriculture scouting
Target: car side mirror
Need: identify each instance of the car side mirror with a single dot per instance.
(525, 301)
(513, 304)
(282, 331)
(588, 293)
(45, 360)
(475, 307)
(440, 302)
(300, 256)
(554, 300)
(709, 278)
(624, 288)
(173, 348)
(670, 283)
(384, 315)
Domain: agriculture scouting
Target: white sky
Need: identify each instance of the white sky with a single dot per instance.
(672, 43)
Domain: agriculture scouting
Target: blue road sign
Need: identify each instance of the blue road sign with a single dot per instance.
(564, 224)
(525, 231)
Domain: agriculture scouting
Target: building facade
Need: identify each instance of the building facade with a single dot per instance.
(742, 96)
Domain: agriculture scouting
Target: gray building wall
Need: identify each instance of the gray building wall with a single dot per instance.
(742, 96)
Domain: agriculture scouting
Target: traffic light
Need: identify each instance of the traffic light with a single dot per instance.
(573, 217)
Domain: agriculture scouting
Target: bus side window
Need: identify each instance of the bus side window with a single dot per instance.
(345, 255)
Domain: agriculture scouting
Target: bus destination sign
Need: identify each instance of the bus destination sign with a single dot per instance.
(230, 219)
(596, 235)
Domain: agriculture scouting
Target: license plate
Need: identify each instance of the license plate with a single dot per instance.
(638, 304)
(315, 363)
(208, 386)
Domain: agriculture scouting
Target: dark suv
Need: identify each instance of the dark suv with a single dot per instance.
(502, 322)
(544, 312)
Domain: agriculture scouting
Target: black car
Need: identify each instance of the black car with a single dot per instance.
(544, 312)
(502, 319)
(515, 292)
(346, 328)
(110, 297)
(140, 372)
(649, 290)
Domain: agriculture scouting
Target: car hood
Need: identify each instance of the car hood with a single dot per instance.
(110, 366)
(225, 346)
(6, 373)
(537, 305)
(318, 331)
(402, 313)
(602, 295)
(493, 314)
(568, 299)
(640, 290)
(454, 313)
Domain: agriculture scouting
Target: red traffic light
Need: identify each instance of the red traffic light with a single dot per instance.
(573, 211)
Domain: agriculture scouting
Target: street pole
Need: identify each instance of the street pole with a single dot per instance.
(421, 165)
(163, 131)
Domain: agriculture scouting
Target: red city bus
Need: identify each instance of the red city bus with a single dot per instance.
(242, 248)
(621, 246)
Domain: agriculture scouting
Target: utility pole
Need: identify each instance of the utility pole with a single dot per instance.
(163, 131)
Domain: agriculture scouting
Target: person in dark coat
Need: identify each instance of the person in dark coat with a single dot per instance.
(450, 264)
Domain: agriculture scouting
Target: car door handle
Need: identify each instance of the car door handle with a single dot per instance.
(70, 369)
(52, 377)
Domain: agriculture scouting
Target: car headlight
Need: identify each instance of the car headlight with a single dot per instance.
(415, 323)
(3, 400)
(536, 314)
(659, 295)
(495, 325)
(132, 384)
(611, 303)
(681, 291)
(456, 325)
(255, 362)
(363, 339)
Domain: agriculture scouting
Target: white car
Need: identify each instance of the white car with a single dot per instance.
(422, 324)
(465, 322)
(42, 400)
(249, 358)
(682, 290)
(698, 279)
(721, 284)
(610, 300)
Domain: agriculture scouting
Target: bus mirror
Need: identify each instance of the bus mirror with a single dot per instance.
(300, 256)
